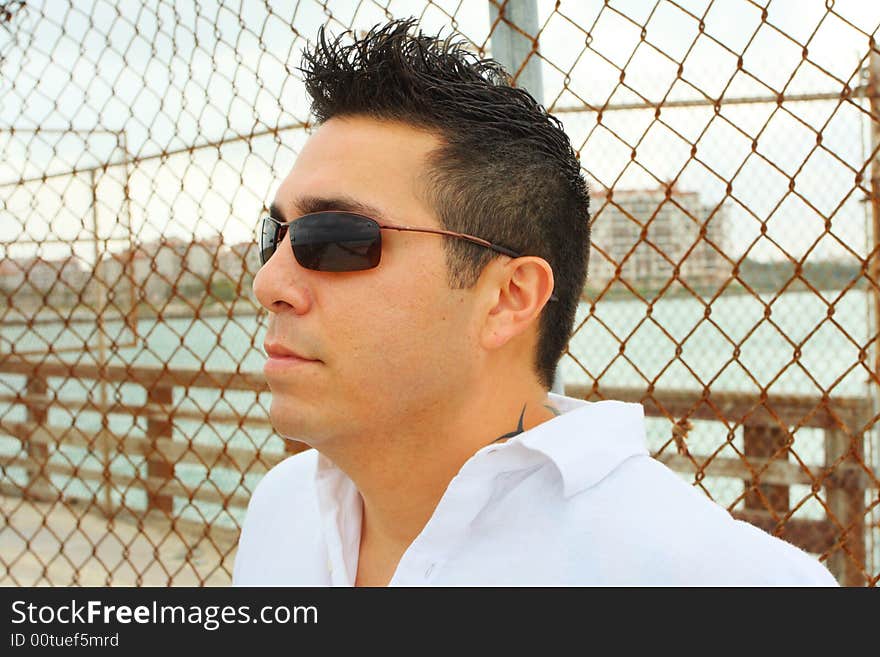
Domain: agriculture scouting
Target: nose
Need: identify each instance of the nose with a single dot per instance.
(280, 284)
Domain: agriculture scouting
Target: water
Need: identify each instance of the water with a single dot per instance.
(828, 345)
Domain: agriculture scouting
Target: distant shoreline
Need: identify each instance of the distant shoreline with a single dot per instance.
(618, 291)
(173, 310)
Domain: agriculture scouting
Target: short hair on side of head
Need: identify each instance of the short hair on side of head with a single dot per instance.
(506, 170)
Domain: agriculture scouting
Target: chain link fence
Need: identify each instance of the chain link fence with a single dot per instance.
(733, 154)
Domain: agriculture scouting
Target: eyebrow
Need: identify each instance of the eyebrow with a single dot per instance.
(310, 204)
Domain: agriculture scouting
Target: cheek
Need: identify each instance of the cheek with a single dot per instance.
(406, 344)
(405, 329)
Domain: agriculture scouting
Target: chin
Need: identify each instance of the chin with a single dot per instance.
(294, 421)
(288, 418)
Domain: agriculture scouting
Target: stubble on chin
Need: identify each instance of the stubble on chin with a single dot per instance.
(298, 422)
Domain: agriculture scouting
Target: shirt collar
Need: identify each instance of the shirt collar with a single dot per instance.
(589, 439)
(585, 443)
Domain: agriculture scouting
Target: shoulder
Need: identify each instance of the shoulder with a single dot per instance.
(676, 534)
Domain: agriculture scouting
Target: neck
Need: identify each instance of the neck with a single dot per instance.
(403, 470)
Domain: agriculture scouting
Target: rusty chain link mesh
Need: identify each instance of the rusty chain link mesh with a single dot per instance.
(732, 154)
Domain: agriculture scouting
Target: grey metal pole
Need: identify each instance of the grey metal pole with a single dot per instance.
(512, 48)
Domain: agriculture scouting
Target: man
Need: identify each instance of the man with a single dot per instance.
(417, 363)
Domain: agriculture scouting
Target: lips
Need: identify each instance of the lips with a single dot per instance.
(278, 351)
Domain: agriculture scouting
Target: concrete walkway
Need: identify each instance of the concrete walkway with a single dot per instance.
(66, 544)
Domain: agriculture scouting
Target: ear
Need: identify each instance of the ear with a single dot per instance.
(518, 290)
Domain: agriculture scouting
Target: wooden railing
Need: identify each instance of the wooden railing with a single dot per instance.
(162, 451)
(767, 465)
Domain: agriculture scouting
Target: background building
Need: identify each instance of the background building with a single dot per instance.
(647, 234)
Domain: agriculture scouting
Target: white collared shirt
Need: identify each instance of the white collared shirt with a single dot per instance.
(576, 500)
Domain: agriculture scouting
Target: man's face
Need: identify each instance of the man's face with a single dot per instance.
(394, 343)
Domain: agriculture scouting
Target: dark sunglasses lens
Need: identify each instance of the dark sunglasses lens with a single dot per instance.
(337, 241)
(270, 234)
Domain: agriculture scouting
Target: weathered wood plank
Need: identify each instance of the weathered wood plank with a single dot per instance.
(846, 505)
(735, 408)
(240, 459)
(816, 536)
(162, 486)
(75, 406)
(145, 376)
(765, 471)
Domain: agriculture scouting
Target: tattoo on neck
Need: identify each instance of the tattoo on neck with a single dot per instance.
(518, 430)
(553, 409)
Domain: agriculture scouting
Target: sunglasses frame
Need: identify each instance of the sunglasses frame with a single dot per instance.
(431, 231)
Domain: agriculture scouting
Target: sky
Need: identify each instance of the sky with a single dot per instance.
(146, 78)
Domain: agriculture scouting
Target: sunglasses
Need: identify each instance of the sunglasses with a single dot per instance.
(336, 241)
